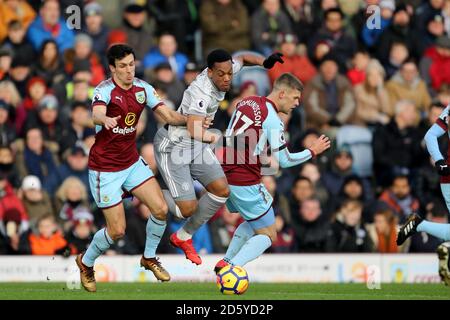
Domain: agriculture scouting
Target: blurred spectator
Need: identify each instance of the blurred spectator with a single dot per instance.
(11, 96)
(357, 73)
(328, 97)
(50, 25)
(426, 11)
(222, 227)
(48, 240)
(398, 54)
(166, 79)
(191, 71)
(75, 165)
(80, 125)
(341, 167)
(266, 23)
(355, 188)
(332, 38)
(225, 24)
(19, 74)
(36, 201)
(178, 17)
(36, 157)
(82, 51)
(427, 186)
(13, 240)
(396, 145)
(8, 166)
(36, 90)
(14, 10)
(347, 233)
(435, 29)
(49, 65)
(383, 232)
(370, 35)
(443, 95)
(435, 64)
(297, 64)
(399, 198)
(320, 8)
(6, 56)
(301, 17)
(166, 52)
(96, 29)
(310, 226)
(16, 40)
(311, 171)
(9, 200)
(423, 242)
(7, 130)
(399, 30)
(138, 31)
(302, 189)
(407, 84)
(70, 197)
(45, 117)
(80, 235)
(372, 101)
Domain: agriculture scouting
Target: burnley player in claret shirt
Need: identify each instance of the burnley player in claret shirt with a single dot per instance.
(115, 165)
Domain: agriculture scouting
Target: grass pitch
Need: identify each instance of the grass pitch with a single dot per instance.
(209, 291)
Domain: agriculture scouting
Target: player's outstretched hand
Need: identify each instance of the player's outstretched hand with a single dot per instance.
(272, 59)
(442, 168)
(111, 122)
(320, 145)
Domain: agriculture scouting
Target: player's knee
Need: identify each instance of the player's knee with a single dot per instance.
(161, 212)
(188, 211)
(224, 192)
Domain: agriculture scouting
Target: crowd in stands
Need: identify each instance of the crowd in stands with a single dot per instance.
(374, 87)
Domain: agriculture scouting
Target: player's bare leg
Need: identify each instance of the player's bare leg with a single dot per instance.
(150, 194)
(103, 239)
(215, 197)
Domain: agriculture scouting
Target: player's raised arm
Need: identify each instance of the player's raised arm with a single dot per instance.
(285, 96)
(249, 59)
(171, 117)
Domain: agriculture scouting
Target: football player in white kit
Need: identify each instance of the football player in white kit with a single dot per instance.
(183, 153)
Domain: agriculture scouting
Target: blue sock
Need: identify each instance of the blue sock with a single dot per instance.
(439, 230)
(243, 232)
(155, 230)
(100, 243)
(252, 249)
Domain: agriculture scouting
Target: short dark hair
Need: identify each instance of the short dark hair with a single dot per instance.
(334, 10)
(288, 80)
(218, 55)
(119, 51)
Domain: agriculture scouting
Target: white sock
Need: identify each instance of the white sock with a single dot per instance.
(183, 235)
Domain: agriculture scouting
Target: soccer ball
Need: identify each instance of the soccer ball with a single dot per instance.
(232, 280)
